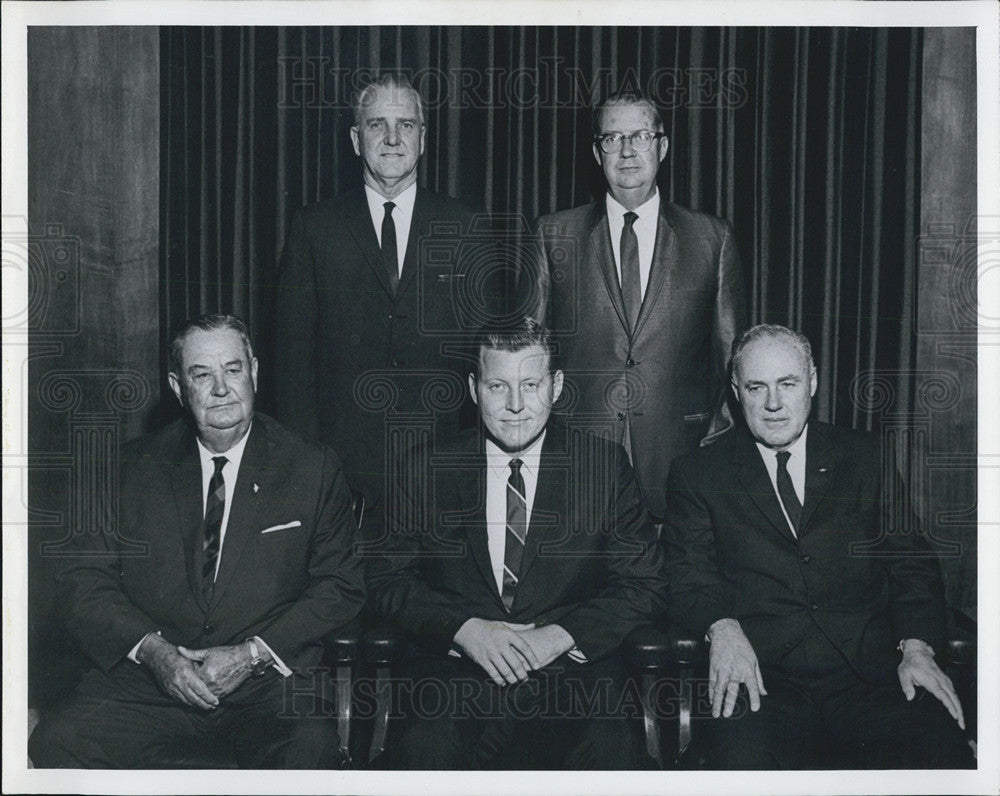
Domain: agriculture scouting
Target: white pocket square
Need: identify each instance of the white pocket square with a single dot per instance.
(293, 524)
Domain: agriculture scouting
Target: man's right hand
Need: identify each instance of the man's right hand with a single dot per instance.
(496, 646)
(732, 661)
(175, 674)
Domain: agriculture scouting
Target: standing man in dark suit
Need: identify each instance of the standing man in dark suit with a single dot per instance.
(802, 565)
(365, 320)
(520, 559)
(229, 559)
(645, 298)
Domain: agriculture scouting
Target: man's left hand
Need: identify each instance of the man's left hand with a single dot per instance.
(548, 643)
(222, 669)
(918, 668)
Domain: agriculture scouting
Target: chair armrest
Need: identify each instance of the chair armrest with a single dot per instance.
(649, 648)
(342, 646)
(383, 643)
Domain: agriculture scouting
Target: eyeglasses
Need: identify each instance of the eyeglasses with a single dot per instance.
(641, 140)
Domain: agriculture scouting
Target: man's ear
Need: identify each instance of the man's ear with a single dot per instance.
(472, 389)
(598, 153)
(664, 145)
(812, 381)
(557, 385)
(175, 385)
(253, 373)
(423, 136)
(357, 141)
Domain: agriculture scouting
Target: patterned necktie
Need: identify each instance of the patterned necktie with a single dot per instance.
(517, 529)
(787, 491)
(389, 255)
(631, 285)
(215, 507)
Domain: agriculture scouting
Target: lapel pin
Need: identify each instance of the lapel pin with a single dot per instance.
(255, 488)
(822, 469)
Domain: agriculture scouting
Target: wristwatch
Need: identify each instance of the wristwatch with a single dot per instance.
(257, 664)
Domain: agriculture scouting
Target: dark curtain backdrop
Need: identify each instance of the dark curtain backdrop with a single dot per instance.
(806, 139)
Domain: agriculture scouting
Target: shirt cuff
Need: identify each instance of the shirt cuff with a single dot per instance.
(576, 655)
(278, 664)
(135, 650)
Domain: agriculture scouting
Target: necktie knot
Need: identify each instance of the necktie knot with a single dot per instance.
(630, 218)
(515, 466)
(389, 207)
(783, 457)
(220, 462)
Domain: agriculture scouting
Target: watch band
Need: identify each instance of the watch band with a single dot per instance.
(257, 665)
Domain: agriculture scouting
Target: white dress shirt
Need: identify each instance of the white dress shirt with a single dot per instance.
(796, 469)
(497, 473)
(645, 232)
(402, 215)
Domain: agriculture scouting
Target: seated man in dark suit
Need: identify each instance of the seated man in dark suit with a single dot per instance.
(828, 615)
(228, 561)
(519, 557)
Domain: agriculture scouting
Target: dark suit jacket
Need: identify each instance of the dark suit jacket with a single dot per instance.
(669, 376)
(859, 570)
(289, 586)
(348, 354)
(591, 562)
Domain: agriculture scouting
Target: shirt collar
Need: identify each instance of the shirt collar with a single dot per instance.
(796, 449)
(404, 202)
(234, 455)
(499, 459)
(649, 208)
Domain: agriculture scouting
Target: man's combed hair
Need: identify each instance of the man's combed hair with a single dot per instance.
(627, 96)
(388, 80)
(514, 337)
(771, 331)
(207, 323)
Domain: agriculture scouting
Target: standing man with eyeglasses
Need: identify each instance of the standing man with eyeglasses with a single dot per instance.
(645, 297)
(365, 320)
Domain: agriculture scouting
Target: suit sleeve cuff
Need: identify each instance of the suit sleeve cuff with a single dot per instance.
(134, 652)
(278, 664)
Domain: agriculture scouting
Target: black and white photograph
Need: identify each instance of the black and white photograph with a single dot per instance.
(535, 397)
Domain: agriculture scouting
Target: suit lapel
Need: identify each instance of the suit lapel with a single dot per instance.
(662, 266)
(551, 498)
(471, 491)
(819, 470)
(244, 508)
(185, 483)
(753, 475)
(604, 256)
(360, 228)
(419, 226)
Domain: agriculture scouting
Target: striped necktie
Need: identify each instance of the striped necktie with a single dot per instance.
(215, 507)
(517, 529)
(631, 282)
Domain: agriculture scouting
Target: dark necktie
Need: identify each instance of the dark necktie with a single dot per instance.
(215, 507)
(389, 255)
(631, 285)
(787, 491)
(517, 528)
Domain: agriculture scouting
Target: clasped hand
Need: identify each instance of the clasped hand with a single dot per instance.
(507, 651)
(918, 668)
(732, 661)
(199, 678)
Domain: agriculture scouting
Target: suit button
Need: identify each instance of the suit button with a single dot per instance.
(395, 362)
(630, 362)
(806, 559)
(788, 645)
(621, 415)
(390, 316)
(814, 607)
(208, 627)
